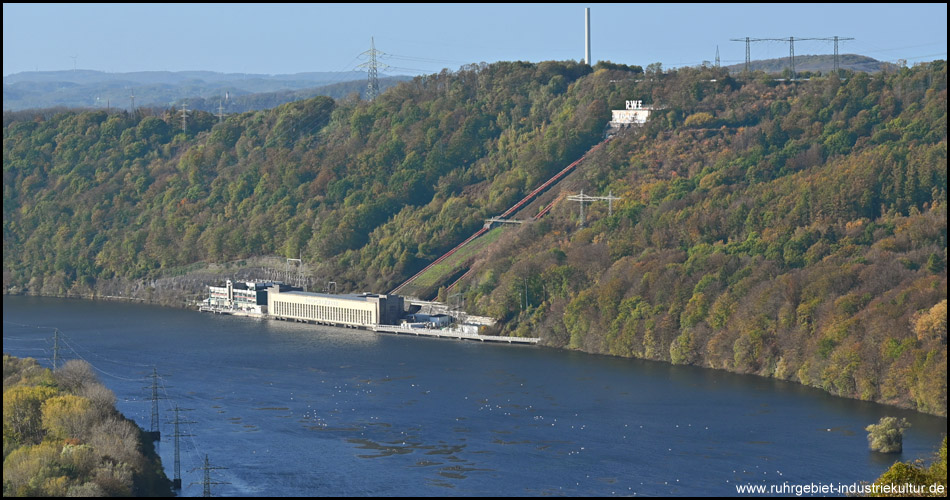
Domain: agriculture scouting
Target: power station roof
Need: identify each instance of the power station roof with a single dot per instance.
(346, 296)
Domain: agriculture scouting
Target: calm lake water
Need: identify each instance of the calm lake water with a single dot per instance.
(299, 410)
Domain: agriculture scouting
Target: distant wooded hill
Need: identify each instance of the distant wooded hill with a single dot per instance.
(817, 64)
(206, 90)
(268, 100)
(247, 92)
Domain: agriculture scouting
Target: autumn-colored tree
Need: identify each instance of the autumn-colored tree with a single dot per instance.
(56, 443)
(22, 413)
(932, 324)
(67, 416)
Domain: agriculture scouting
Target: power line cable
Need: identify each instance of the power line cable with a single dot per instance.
(20, 338)
(103, 358)
(348, 67)
(876, 48)
(909, 58)
(72, 344)
(31, 348)
(420, 59)
(481, 48)
(412, 70)
(29, 326)
(96, 367)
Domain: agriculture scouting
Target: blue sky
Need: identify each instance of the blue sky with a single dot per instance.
(424, 38)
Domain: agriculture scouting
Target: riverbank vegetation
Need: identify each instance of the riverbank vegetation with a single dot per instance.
(928, 480)
(62, 436)
(794, 230)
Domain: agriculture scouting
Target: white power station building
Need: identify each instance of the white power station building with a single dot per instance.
(635, 114)
(360, 310)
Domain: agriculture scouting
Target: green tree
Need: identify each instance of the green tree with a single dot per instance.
(887, 436)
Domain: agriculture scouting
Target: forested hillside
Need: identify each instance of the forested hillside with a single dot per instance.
(367, 191)
(794, 230)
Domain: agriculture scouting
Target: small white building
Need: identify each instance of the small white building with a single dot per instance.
(430, 320)
(635, 114)
(468, 329)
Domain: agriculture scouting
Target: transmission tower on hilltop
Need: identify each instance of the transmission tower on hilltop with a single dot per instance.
(372, 70)
(836, 39)
(583, 197)
(748, 52)
(791, 49)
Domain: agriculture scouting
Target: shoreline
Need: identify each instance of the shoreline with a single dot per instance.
(541, 342)
(447, 333)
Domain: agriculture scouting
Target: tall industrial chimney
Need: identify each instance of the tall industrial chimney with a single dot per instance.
(587, 35)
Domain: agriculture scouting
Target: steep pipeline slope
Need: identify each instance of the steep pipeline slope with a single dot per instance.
(514, 208)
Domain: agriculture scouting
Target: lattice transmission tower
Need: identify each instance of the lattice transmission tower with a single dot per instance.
(176, 482)
(207, 482)
(155, 431)
(836, 39)
(372, 70)
(748, 51)
(585, 198)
